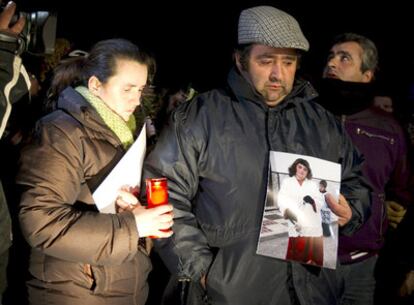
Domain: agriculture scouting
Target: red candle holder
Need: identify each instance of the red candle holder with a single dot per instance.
(157, 191)
(157, 194)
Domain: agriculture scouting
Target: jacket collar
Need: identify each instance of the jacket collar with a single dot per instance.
(244, 90)
(76, 105)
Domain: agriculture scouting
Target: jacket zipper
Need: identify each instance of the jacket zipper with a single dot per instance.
(371, 135)
(368, 134)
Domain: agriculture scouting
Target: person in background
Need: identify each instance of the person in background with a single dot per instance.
(395, 268)
(216, 158)
(14, 74)
(81, 256)
(171, 98)
(384, 102)
(347, 90)
(14, 84)
(327, 216)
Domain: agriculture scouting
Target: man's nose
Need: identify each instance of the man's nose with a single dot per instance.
(276, 72)
(332, 62)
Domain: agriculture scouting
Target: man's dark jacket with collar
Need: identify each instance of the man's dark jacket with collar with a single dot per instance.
(216, 158)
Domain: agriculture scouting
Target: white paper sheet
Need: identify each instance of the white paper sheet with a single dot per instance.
(126, 173)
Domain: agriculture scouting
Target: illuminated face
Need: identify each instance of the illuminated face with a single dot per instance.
(271, 71)
(344, 63)
(122, 92)
(301, 172)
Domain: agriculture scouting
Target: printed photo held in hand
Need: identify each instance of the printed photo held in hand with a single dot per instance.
(299, 222)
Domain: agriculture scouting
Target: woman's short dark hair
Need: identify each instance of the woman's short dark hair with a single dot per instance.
(100, 62)
(292, 168)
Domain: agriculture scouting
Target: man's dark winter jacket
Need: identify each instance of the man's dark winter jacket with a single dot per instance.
(215, 156)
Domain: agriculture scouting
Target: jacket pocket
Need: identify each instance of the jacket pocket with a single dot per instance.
(87, 269)
(58, 271)
(124, 279)
(211, 278)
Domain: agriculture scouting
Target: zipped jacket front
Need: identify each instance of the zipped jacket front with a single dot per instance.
(216, 158)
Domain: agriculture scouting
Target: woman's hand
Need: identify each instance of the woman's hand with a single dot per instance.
(156, 221)
(127, 199)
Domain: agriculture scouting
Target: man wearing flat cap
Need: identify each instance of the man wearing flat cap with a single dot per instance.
(216, 159)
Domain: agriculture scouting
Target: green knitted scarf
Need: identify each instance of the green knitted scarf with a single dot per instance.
(123, 130)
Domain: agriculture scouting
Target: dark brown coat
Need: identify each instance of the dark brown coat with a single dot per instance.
(79, 256)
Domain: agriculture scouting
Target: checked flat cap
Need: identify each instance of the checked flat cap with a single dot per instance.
(272, 27)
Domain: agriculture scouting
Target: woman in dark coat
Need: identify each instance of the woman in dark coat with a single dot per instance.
(81, 256)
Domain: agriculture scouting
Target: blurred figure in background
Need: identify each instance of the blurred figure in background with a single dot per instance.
(347, 90)
(384, 102)
(171, 98)
(14, 84)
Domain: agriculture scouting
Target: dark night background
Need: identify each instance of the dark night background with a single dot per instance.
(195, 40)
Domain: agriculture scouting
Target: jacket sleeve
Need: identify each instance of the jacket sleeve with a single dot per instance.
(175, 156)
(50, 175)
(14, 83)
(354, 186)
(398, 188)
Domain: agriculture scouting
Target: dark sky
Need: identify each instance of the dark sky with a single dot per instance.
(196, 40)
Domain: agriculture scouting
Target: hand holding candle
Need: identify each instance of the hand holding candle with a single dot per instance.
(157, 195)
(155, 221)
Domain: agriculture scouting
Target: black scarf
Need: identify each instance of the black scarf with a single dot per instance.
(340, 97)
